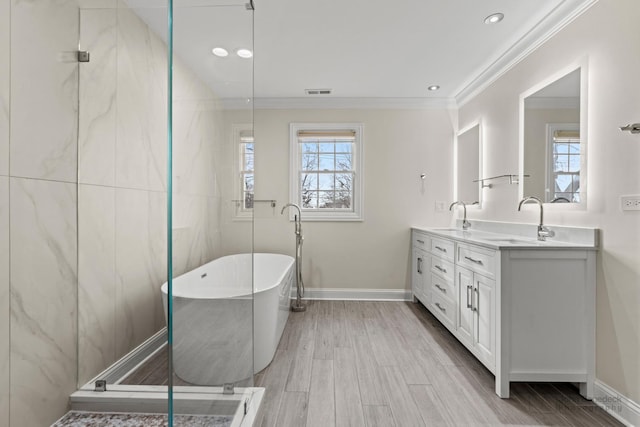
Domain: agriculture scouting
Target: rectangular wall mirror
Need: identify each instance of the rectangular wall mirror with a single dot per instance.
(552, 141)
(469, 164)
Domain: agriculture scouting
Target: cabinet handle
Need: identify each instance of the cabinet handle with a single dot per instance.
(442, 289)
(441, 249)
(420, 241)
(475, 292)
(419, 265)
(469, 305)
(477, 261)
(444, 270)
(442, 309)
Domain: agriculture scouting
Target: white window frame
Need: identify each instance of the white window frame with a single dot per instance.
(355, 214)
(239, 211)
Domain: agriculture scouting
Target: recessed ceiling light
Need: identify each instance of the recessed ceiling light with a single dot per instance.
(244, 53)
(433, 87)
(219, 51)
(494, 18)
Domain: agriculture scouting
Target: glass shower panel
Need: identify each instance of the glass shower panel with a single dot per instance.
(123, 211)
(212, 137)
(122, 192)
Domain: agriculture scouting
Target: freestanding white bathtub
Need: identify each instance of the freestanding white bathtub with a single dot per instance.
(212, 310)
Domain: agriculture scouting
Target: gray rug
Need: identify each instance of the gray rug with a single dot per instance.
(107, 419)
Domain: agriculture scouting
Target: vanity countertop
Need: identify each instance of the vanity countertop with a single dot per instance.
(517, 239)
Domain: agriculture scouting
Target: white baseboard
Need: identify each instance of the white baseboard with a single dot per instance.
(618, 406)
(356, 294)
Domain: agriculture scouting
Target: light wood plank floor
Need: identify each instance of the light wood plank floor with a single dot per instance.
(355, 363)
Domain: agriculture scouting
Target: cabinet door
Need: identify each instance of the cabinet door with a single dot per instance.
(419, 271)
(484, 313)
(464, 321)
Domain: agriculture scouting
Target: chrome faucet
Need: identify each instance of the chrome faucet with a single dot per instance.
(543, 232)
(465, 224)
(296, 218)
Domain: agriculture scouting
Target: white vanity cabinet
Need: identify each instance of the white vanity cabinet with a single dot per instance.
(476, 314)
(420, 265)
(442, 281)
(525, 309)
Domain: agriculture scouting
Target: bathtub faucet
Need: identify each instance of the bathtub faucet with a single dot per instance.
(296, 218)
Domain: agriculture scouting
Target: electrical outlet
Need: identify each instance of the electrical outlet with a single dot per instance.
(630, 203)
(441, 206)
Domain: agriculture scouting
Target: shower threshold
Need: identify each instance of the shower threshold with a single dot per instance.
(242, 405)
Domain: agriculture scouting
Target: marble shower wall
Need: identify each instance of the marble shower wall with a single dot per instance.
(122, 173)
(5, 84)
(83, 197)
(4, 301)
(40, 161)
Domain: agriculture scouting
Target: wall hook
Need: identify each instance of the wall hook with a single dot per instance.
(634, 128)
(423, 175)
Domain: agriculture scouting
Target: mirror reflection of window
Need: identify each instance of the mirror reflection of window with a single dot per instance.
(552, 146)
(563, 184)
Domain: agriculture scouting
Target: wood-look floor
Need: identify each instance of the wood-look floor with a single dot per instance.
(356, 363)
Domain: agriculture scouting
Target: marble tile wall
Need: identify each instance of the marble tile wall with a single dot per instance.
(96, 279)
(44, 89)
(5, 69)
(43, 299)
(4, 301)
(97, 113)
(141, 160)
(141, 253)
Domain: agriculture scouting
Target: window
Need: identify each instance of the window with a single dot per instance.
(244, 186)
(326, 170)
(564, 163)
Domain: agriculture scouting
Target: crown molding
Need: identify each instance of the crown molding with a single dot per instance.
(340, 103)
(556, 20)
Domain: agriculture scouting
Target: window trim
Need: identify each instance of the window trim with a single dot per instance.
(294, 170)
(239, 213)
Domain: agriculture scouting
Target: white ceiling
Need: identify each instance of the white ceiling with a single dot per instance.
(360, 48)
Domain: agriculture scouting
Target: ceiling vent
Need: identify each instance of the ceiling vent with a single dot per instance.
(318, 91)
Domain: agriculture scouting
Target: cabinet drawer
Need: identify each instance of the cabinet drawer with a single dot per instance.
(442, 248)
(444, 309)
(478, 259)
(442, 268)
(443, 287)
(421, 240)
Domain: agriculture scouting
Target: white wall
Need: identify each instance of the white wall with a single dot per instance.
(606, 35)
(399, 145)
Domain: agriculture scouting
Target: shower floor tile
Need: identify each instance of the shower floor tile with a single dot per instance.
(107, 419)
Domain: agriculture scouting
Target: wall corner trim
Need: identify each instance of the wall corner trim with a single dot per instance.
(615, 404)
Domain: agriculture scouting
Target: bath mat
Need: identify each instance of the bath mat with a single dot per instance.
(109, 419)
